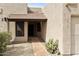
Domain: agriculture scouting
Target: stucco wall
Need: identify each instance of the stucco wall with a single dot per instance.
(59, 26)
(66, 31)
(43, 30)
(12, 29)
(12, 8)
(26, 30)
(3, 24)
(75, 10)
(54, 14)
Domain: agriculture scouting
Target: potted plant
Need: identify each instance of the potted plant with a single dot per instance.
(52, 47)
(4, 41)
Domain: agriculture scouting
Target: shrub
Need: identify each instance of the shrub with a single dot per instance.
(4, 41)
(52, 47)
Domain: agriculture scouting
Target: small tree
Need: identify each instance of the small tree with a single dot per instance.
(52, 47)
(4, 41)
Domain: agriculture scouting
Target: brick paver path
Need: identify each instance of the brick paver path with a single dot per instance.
(38, 47)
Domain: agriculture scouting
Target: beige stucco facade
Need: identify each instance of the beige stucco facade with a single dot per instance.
(19, 11)
(62, 24)
(12, 29)
(8, 9)
(54, 23)
(43, 30)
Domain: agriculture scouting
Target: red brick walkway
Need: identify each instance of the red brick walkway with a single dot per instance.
(38, 47)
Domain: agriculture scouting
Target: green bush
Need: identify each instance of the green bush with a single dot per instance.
(4, 41)
(52, 47)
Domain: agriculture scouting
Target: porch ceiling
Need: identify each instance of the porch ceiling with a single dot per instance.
(27, 17)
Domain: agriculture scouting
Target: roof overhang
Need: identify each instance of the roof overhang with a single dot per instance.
(27, 17)
(75, 15)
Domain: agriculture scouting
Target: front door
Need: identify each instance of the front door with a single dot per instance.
(34, 29)
(31, 29)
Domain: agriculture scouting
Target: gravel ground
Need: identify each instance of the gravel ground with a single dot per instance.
(24, 49)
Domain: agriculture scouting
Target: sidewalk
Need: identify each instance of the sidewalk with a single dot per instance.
(38, 47)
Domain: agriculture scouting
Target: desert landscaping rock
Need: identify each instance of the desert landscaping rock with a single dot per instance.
(24, 49)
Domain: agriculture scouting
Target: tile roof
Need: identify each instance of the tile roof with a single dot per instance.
(32, 14)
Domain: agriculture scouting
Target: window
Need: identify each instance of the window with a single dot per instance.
(20, 28)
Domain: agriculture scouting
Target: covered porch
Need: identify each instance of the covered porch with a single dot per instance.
(25, 26)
